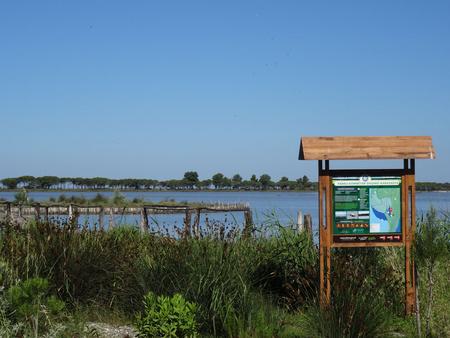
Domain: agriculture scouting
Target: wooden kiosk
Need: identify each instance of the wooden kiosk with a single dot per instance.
(366, 207)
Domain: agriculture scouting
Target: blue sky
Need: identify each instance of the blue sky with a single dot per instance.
(153, 89)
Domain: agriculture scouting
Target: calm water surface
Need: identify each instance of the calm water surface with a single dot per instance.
(284, 205)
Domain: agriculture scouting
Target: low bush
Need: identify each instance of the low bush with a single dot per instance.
(167, 317)
(31, 304)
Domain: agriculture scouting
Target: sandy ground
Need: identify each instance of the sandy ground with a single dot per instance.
(110, 331)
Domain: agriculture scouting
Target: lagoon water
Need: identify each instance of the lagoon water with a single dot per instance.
(284, 205)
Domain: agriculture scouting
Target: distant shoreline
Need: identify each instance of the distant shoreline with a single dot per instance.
(150, 190)
(177, 190)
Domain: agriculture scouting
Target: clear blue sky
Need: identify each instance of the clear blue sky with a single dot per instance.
(152, 89)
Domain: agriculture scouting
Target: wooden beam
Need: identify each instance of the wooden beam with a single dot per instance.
(366, 147)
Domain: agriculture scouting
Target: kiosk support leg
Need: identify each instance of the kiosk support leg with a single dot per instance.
(410, 228)
(324, 234)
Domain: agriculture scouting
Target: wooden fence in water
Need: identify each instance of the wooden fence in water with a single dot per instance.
(19, 213)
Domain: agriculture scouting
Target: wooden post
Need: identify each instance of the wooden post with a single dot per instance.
(111, 218)
(412, 182)
(248, 226)
(300, 224)
(325, 233)
(196, 228)
(100, 218)
(307, 221)
(329, 232)
(8, 212)
(46, 214)
(70, 213)
(144, 220)
(187, 223)
(409, 224)
(322, 238)
(37, 213)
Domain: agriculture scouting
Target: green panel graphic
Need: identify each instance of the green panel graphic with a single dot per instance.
(367, 206)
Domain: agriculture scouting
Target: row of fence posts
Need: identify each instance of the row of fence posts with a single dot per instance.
(190, 228)
(193, 228)
(304, 222)
(20, 214)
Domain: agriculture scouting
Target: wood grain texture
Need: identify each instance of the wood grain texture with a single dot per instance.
(366, 147)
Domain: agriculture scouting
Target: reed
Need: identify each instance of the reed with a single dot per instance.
(264, 285)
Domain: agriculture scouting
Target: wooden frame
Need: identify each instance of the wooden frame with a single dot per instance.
(407, 148)
(326, 225)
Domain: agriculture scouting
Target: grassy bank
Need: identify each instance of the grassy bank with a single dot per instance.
(117, 199)
(233, 286)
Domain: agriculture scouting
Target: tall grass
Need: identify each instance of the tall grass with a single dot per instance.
(223, 272)
(82, 266)
(366, 296)
(259, 286)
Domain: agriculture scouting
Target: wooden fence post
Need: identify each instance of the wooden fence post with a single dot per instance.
(196, 228)
(307, 221)
(37, 213)
(248, 225)
(8, 212)
(111, 218)
(300, 223)
(187, 223)
(100, 218)
(70, 213)
(144, 220)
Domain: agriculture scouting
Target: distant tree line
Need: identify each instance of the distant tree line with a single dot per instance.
(190, 181)
(432, 186)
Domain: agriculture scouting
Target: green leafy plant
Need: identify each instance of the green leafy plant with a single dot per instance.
(167, 317)
(21, 197)
(118, 198)
(30, 303)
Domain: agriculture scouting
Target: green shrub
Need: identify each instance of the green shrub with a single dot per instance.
(21, 197)
(167, 317)
(31, 304)
(99, 199)
(118, 199)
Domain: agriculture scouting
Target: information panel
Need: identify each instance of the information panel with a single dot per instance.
(367, 209)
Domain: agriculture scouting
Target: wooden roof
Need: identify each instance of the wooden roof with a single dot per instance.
(366, 148)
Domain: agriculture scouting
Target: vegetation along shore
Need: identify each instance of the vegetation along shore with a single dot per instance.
(62, 280)
(189, 182)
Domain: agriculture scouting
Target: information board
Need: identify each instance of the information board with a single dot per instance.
(367, 209)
